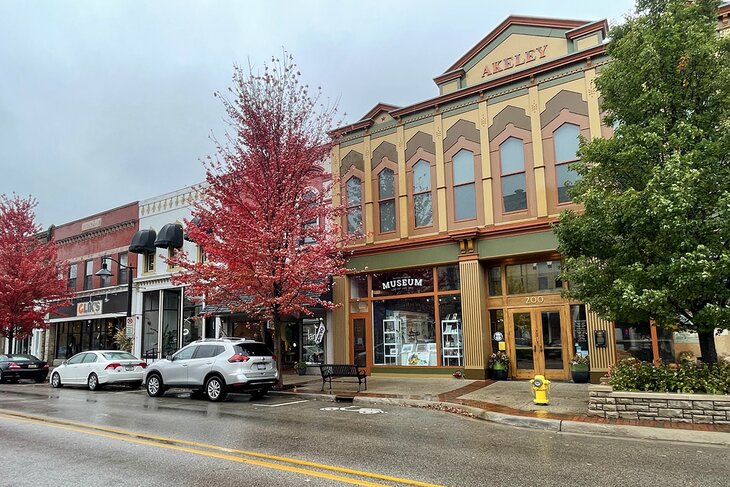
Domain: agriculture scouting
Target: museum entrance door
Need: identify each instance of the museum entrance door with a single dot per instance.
(538, 343)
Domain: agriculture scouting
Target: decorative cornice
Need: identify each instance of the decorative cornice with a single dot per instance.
(456, 74)
(97, 232)
(599, 25)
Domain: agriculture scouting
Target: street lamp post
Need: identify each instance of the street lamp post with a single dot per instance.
(104, 272)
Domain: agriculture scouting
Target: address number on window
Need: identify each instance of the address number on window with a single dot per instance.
(534, 299)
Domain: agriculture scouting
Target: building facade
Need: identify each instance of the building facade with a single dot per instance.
(454, 198)
(99, 304)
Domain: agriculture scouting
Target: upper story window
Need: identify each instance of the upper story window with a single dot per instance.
(311, 226)
(422, 204)
(72, 273)
(533, 277)
(566, 139)
(514, 185)
(89, 274)
(465, 207)
(105, 281)
(149, 261)
(386, 200)
(353, 197)
(122, 269)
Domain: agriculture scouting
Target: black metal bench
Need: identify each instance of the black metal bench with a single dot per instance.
(330, 371)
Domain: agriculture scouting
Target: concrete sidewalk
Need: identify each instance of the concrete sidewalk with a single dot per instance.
(506, 402)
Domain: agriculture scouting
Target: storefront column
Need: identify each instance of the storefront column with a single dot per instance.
(473, 306)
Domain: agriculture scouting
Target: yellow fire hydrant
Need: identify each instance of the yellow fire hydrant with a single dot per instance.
(540, 390)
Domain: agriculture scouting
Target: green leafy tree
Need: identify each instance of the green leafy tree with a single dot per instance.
(653, 238)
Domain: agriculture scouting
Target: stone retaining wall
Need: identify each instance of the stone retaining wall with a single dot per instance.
(657, 406)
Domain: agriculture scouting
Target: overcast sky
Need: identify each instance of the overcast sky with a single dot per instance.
(107, 102)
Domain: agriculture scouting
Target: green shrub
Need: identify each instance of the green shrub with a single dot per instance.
(688, 377)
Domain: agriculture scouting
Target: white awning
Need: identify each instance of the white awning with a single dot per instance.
(90, 317)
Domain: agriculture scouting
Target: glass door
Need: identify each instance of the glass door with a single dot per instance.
(538, 343)
(359, 340)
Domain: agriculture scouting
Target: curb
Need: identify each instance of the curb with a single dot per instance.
(563, 426)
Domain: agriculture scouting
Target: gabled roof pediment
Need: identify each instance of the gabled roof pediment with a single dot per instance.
(378, 111)
(519, 43)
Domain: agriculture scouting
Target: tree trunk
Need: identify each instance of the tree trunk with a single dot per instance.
(277, 350)
(707, 346)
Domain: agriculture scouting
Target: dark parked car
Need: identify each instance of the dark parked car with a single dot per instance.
(15, 366)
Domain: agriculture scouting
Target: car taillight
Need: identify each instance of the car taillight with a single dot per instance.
(112, 366)
(239, 358)
(143, 365)
(273, 357)
(13, 365)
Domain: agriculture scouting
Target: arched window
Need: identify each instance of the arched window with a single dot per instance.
(566, 139)
(422, 204)
(386, 200)
(514, 186)
(465, 207)
(354, 205)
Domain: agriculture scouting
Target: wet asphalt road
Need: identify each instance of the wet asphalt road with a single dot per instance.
(417, 444)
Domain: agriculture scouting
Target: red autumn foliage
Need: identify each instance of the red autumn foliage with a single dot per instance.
(270, 235)
(32, 280)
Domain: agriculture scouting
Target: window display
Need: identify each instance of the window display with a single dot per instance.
(312, 352)
(452, 344)
(404, 332)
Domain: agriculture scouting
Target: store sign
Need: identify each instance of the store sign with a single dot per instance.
(513, 61)
(320, 334)
(88, 308)
(400, 283)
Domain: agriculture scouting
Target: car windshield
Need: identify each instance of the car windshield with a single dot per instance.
(119, 356)
(252, 349)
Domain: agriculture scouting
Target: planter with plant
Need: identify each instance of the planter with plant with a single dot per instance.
(580, 369)
(301, 367)
(498, 366)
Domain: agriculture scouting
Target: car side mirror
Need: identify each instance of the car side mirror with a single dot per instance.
(169, 357)
(65, 362)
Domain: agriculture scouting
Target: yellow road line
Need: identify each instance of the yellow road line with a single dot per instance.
(134, 437)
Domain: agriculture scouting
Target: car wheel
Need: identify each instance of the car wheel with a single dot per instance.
(93, 382)
(154, 385)
(259, 394)
(1, 376)
(136, 384)
(215, 389)
(56, 380)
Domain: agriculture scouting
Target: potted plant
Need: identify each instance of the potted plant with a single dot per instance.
(498, 366)
(580, 369)
(301, 367)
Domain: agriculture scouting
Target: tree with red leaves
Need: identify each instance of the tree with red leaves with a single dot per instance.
(32, 280)
(271, 239)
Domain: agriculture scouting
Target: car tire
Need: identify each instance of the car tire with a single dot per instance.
(135, 385)
(215, 389)
(2, 379)
(56, 380)
(155, 387)
(259, 393)
(93, 382)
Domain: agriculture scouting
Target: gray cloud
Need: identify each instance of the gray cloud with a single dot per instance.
(107, 102)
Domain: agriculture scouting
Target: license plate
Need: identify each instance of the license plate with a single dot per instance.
(129, 367)
(32, 366)
(261, 366)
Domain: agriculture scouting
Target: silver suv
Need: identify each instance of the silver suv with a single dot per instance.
(215, 367)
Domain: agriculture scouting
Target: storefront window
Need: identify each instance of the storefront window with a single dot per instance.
(192, 325)
(312, 352)
(448, 278)
(534, 277)
(633, 340)
(404, 332)
(403, 282)
(496, 328)
(494, 278)
(452, 333)
(358, 286)
(249, 330)
(170, 321)
(580, 328)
